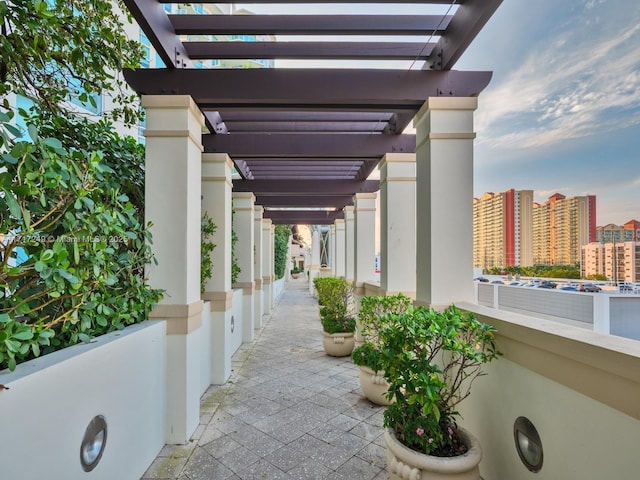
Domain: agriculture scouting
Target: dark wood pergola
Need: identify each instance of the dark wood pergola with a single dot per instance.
(310, 137)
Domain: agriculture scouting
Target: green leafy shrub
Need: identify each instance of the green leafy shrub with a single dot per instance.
(207, 229)
(280, 249)
(430, 360)
(373, 315)
(336, 312)
(83, 247)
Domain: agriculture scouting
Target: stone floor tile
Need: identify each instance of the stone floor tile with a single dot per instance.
(309, 470)
(165, 467)
(358, 468)
(202, 466)
(263, 470)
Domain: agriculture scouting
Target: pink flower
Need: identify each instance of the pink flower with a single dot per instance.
(419, 431)
(450, 431)
(431, 440)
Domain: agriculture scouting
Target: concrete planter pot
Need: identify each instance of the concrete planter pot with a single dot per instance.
(374, 386)
(338, 344)
(406, 464)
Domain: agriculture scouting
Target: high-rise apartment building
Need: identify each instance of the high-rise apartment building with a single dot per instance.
(615, 253)
(562, 225)
(509, 228)
(629, 232)
(502, 229)
(618, 262)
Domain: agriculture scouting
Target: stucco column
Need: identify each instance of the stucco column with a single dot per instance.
(257, 266)
(267, 261)
(243, 206)
(349, 243)
(314, 265)
(364, 240)
(332, 249)
(272, 265)
(172, 204)
(216, 201)
(340, 248)
(444, 192)
(398, 224)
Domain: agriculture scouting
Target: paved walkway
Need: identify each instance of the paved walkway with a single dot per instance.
(289, 411)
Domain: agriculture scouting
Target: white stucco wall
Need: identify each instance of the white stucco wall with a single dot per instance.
(51, 400)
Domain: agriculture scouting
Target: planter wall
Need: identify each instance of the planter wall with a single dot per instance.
(52, 399)
(338, 344)
(374, 386)
(406, 464)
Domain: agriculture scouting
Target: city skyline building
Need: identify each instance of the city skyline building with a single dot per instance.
(510, 229)
(502, 229)
(618, 262)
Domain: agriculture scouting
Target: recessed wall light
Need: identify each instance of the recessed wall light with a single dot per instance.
(528, 444)
(93, 443)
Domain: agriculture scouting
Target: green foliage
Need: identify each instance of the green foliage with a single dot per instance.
(331, 290)
(597, 276)
(235, 265)
(280, 249)
(373, 315)
(367, 355)
(51, 51)
(430, 360)
(338, 324)
(335, 296)
(207, 229)
(542, 271)
(84, 245)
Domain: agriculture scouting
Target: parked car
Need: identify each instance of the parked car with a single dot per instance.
(499, 282)
(588, 287)
(568, 288)
(547, 284)
(625, 287)
(481, 279)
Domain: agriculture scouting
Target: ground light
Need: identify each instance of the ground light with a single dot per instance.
(528, 444)
(93, 443)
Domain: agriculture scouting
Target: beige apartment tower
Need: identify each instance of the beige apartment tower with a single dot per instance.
(502, 229)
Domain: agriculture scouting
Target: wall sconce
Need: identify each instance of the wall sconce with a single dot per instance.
(528, 444)
(93, 443)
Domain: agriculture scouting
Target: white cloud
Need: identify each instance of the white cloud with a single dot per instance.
(566, 91)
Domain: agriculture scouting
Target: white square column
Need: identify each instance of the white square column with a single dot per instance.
(444, 192)
(349, 244)
(216, 201)
(243, 206)
(314, 266)
(364, 240)
(332, 249)
(340, 249)
(272, 265)
(398, 224)
(267, 262)
(257, 266)
(172, 204)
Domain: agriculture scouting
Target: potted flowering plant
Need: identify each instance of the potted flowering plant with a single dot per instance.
(374, 313)
(430, 359)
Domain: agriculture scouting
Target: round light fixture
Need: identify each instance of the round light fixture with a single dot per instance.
(93, 443)
(528, 444)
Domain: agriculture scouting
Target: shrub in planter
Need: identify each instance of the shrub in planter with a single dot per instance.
(374, 313)
(74, 246)
(335, 296)
(431, 360)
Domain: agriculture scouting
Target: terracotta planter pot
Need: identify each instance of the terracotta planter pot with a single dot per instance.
(374, 386)
(338, 344)
(406, 464)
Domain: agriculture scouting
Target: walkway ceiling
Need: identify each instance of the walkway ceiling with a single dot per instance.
(305, 139)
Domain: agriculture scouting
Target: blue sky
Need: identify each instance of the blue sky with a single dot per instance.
(562, 113)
